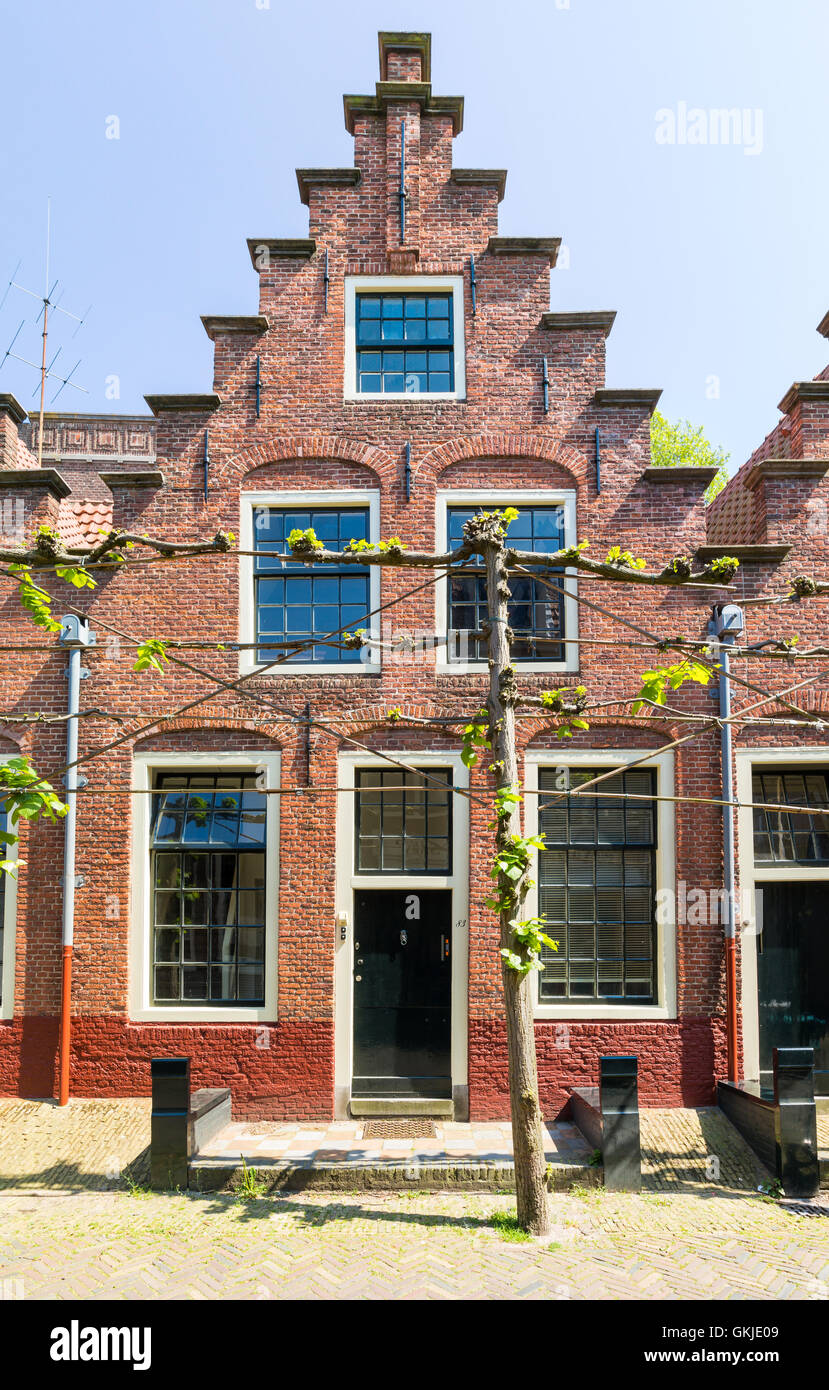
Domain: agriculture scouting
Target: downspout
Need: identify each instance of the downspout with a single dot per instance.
(726, 625)
(75, 635)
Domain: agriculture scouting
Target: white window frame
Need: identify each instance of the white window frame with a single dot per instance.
(407, 284)
(315, 498)
(748, 761)
(665, 960)
(348, 880)
(9, 926)
(514, 497)
(141, 1008)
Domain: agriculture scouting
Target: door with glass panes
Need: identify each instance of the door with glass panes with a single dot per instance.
(792, 916)
(402, 967)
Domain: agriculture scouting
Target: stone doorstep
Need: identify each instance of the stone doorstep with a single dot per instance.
(400, 1107)
(455, 1174)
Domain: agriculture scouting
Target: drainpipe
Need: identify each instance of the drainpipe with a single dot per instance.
(727, 623)
(75, 635)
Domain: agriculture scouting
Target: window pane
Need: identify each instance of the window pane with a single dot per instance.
(403, 823)
(168, 945)
(402, 319)
(317, 601)
(536, 613)
(597, 900)
(166, 982)
(800, 836)
(196, 923)
(194, 982)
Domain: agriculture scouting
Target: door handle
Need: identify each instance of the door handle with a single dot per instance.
(444, 948)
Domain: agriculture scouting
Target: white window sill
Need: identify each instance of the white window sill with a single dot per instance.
(296, 668)
(413, 397)
(164, 1014)
(522, 668)
(583, 1013)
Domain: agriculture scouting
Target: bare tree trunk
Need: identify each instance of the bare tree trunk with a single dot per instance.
(528, 1145)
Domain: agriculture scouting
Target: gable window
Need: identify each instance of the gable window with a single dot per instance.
(597, 886)
(207, 841)
(297, 602)
(404, 343)
(404, 338)
(536, 612)
(403, 821)
(791, 837)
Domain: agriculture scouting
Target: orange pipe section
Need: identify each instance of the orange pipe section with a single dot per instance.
(65, 1026)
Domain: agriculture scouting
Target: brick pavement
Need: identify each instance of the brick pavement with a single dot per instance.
(434, 1246)
(89, 1143)
(688, 1235)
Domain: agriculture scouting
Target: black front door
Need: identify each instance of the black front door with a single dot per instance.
(402, 993)
(793, 974)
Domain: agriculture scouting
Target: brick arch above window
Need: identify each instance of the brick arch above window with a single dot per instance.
(213, 737)
(329, 448)
(603, 735)
(406, 737)
(505, 447)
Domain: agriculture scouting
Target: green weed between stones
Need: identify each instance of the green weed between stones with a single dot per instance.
(507, 1226)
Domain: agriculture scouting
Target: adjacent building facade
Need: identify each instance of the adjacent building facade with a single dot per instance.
(261, 886)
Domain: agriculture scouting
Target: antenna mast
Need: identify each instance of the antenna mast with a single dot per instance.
(45, 334)
(48, 303)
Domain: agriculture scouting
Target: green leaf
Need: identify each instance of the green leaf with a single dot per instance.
(35, 600)
(151, 655)
(304, 540)
(76, 576)
(655, 683)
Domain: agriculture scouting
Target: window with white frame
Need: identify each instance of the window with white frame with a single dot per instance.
(543, 615)
(302, 603)
(208, 912)
(536, 611)
(404, 337)
(288, 609)
(597, 886)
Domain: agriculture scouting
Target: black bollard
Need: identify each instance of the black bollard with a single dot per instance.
(795, 1121)
(171, 1105)
(619, 1103)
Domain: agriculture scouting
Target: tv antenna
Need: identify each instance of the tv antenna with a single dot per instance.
(48, 302)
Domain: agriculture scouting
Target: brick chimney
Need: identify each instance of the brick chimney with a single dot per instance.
(393, 130)
(405, 57)
(405, 61)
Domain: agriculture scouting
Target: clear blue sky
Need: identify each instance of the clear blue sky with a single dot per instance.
(716, 259)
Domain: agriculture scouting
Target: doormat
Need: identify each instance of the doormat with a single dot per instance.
(399, 1129)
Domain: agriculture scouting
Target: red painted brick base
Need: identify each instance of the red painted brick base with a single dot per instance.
(678, 1061)
(290, 1079)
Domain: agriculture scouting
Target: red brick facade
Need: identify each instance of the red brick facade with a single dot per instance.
(308, 436)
